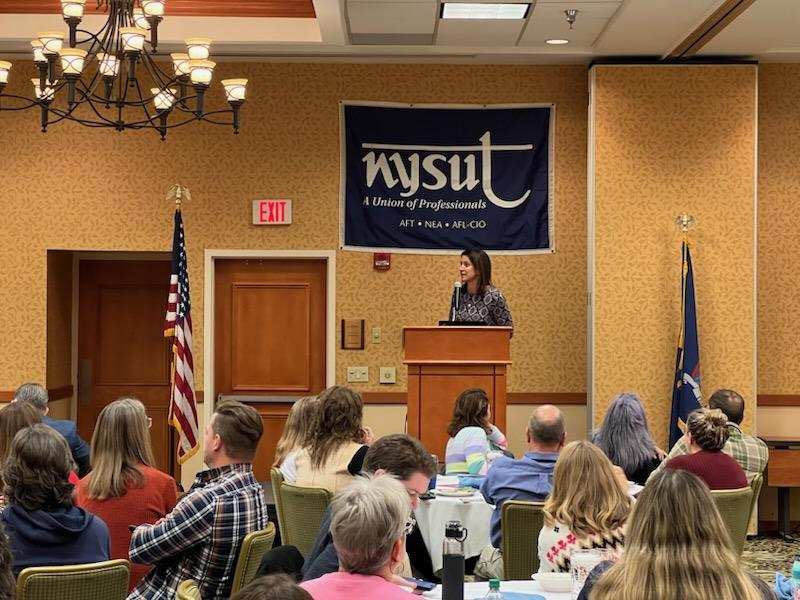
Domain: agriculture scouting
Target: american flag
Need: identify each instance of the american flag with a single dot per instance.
(178, 325)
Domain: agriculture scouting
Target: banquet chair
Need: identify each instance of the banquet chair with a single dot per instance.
(521, 522)
(188, 590)
(755, 484)
(108, 580)
(300, 511)
(735, 507)
(255, 545)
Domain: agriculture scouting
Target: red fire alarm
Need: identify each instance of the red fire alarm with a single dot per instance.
(381, 261)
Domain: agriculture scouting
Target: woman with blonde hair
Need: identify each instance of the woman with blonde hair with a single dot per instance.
(296, 435)
(706, 434)
(586, 509)
(336, 449)
(677, 548)
(124, 488)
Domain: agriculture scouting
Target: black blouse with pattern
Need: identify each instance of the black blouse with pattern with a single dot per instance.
(490, 308)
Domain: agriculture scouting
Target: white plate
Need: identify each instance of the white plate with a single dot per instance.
(457, 493)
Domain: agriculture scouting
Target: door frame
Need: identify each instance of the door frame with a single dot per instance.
(211, 255)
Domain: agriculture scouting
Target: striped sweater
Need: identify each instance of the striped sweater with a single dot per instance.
(557, 543)
(468, 452)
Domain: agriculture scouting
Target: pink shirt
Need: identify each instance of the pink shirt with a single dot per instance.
(346, 586)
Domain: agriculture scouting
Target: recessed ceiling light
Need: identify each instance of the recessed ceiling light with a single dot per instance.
(557, 42)
(484, 10)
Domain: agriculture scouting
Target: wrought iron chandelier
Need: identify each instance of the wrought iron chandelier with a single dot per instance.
(109, 95)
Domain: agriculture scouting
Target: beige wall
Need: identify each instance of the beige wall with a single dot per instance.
(669, 140)
(112, 198)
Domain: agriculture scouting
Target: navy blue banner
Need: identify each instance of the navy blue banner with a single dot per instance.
(442, 178)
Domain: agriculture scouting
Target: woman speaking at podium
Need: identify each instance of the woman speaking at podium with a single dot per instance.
(475, 300)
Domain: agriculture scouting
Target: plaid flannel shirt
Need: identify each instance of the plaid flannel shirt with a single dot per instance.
(747, 450)
(200, 538)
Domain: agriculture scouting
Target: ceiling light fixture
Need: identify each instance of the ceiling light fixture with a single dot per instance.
(484, 10)
(557, 42)
(106, 96)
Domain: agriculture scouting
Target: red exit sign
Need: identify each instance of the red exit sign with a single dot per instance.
(272, 212)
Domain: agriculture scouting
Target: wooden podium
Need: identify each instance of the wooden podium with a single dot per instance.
(442, 363)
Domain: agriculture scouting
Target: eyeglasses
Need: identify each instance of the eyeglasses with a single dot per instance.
(411, 522)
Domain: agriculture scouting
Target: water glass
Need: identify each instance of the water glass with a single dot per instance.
(582, 562)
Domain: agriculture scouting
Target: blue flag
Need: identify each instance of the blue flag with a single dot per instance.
(686, 388)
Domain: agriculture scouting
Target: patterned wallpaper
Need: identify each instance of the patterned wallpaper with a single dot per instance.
(672, 140)
(81, 189)
(778, 229)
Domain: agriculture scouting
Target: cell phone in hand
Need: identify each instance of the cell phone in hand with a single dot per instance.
(420, 585)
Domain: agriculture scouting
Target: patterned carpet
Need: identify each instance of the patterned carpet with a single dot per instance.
(765, 555)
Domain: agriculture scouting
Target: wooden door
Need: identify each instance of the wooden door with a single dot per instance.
(121, 346)
(269, 338)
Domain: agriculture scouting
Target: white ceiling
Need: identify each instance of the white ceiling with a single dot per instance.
(411, 31)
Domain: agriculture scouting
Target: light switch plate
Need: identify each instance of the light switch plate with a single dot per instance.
(357, 374)
(388, 375)
(376, 335)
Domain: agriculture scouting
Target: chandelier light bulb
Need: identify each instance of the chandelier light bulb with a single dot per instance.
(201, 71)
(72, 9)
(51, 41)
(235, 89)
(180, 63)
(199, 48)
(132, 38)
(139, 19)
(5, 68)
(163, 99)
(109, 65)
(38, 54)
(153, 8)
(72, 60)
(48, 93)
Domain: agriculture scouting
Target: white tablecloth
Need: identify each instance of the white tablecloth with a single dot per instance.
(480, 589)
(433, 515)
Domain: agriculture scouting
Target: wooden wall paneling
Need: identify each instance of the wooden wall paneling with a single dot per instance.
(195, 8)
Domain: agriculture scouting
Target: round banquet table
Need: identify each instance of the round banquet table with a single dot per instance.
(479, 589)
(432, 517)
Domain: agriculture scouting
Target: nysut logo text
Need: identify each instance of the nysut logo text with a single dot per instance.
(447, 166)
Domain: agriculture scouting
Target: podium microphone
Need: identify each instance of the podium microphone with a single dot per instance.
(456, 300)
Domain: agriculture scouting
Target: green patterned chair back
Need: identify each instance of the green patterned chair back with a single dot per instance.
(188, 590)
(254, 547)
(107, 580)
(277, 481)
(521, 523)
(303, 509)
(755, 485)
(734, 506)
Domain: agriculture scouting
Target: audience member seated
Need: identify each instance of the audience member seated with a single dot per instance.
(297, 434)
(44, 526)
(336, 452)
(586, 509)
(677, 546)
(8, 584)
(272, 587)
(201, 537)
(706, 434)
(124, 488)
(749, 451)
(369, 522)
(406, 459)
(473, 439)
(528, 478)
(626, 440)
(36, 395)
(13, 417)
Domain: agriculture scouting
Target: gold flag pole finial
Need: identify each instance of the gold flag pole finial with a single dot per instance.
(179, 194)
(685, 222)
